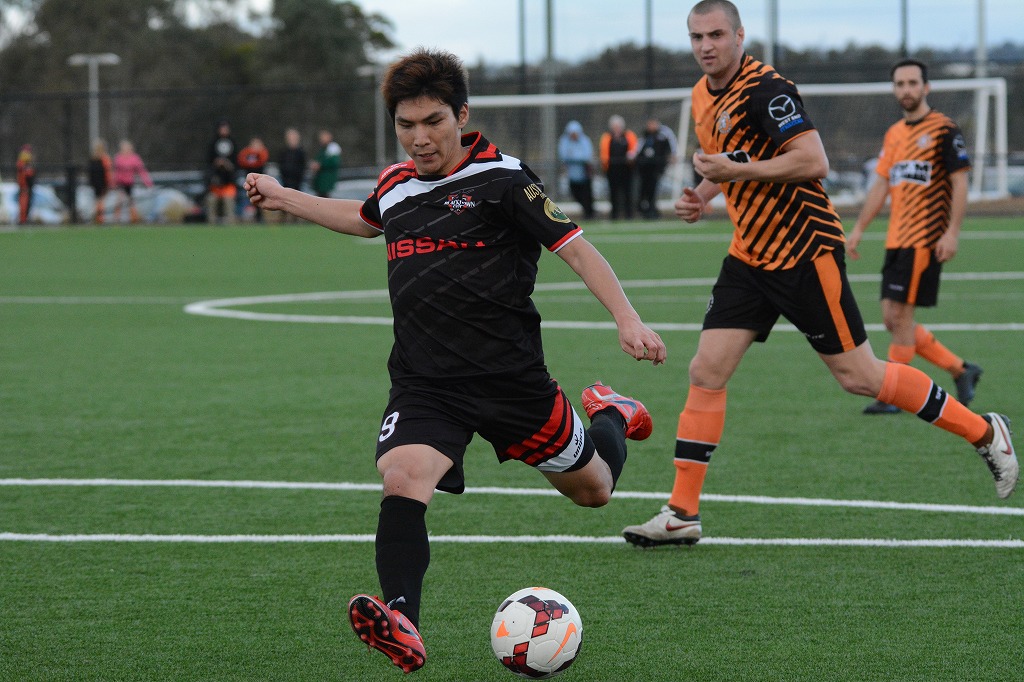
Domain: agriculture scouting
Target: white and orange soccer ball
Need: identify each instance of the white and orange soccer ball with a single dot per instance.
(536, 633)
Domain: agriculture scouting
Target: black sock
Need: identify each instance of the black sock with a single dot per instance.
(607, 430)
(403, 553)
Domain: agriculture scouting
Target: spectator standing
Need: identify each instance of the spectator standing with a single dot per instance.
(576, 154)
(253, 159)
(292, 160)
(651, 161)
(101, 177)
(618, 150)
(127, 167)
(292, 165)
(326, 165)
(26, 181)
(221, 190)
(923, 167)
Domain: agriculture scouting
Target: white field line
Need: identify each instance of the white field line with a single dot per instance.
(496, 539)
(519, 539)
(226, 307)
(344, 486)
(94, 300)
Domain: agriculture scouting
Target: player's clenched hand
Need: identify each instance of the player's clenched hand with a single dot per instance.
(714, 167)
(946, 247)
(642, 342)
(852, 242)
(263, 191)
(690, 206)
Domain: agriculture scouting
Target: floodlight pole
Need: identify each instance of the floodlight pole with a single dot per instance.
(376, 71)
(93, 61)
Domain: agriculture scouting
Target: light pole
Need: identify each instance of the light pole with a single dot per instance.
(93, 61)
(376, 71)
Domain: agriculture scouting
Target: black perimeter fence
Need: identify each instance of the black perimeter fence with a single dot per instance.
(171, 129)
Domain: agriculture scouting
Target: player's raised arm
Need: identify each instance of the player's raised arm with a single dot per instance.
(339, 215)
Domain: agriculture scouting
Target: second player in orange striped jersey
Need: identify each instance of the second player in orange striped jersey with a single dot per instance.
(920, 159)
(923, 169)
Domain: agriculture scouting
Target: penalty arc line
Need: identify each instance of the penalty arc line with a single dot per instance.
(227, 307)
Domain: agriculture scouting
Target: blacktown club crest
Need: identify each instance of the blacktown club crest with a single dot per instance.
(459, 202)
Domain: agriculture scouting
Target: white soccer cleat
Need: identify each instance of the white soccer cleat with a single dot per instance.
(667, 528)
(999, 455)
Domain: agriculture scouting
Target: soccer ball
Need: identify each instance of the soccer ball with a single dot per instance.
(536, 633)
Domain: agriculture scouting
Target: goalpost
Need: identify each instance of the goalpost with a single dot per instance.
(851, 118)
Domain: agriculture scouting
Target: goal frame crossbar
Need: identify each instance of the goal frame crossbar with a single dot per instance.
(990, 97)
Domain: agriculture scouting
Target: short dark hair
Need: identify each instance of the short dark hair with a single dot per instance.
(910, 62)
(709, 6)
(433, 73)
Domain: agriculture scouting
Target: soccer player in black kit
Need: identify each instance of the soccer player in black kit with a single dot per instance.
(465, 225)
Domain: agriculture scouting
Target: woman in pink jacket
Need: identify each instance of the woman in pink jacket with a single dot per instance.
(127, 166)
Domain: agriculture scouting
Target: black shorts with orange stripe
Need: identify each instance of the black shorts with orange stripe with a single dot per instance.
(526, 417)
(814, 296)
(911, 276)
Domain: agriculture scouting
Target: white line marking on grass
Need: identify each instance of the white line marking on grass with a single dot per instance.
(345, 486)
(225, 307)
(499, 539)
(94, 300)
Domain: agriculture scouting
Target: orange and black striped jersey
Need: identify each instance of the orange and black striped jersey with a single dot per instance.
(778, 225)
(919, 159)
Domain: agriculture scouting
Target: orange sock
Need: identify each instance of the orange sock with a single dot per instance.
(929, 348)
(901, 354)
(910, 389)
(700, 429)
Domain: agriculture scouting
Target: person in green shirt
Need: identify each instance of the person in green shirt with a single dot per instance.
(325, 167)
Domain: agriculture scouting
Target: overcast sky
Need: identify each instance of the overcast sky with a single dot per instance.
(489, 29)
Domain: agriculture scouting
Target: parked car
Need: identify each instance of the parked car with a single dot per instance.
(47, 208)
(155, 205)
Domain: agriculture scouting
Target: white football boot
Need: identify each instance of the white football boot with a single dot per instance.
(999, 455)
(667, 528)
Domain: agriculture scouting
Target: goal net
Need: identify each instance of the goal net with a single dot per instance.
(851, 117)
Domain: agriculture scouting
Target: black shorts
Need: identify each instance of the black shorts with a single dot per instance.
(526, 418)
(814, 296)
(911, 276)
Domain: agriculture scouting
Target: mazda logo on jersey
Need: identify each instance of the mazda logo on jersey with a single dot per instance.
(783, 109)
(960, 146)
(459, 202)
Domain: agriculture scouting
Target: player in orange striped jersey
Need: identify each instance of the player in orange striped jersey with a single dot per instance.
(761, 150)
(923, 167)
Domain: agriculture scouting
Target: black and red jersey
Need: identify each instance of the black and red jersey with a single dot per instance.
(462, 256)
(918, 159)
(778, 225)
